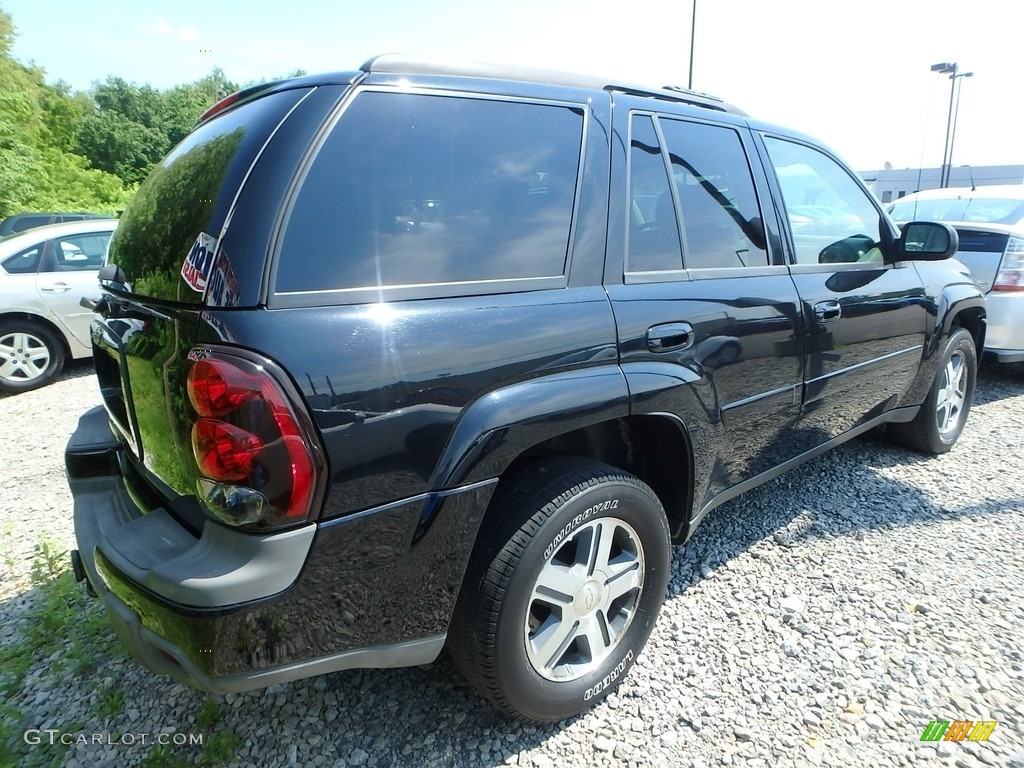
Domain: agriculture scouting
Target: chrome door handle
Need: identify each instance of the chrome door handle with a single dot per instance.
(827, 311)
(669, 337)
(55, 288)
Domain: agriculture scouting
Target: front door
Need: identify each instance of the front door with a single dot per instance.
(866, 317)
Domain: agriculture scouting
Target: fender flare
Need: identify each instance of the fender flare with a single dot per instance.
(495, 429)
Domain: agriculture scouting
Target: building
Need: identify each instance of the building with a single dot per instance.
(890, 184)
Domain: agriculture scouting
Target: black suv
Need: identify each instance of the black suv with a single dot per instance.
(432, 354)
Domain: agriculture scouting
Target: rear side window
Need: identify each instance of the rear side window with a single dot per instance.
(24, 263)
(417, 190)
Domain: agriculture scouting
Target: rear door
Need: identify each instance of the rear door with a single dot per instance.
(866, 318)
(709, 324)
(70, 274)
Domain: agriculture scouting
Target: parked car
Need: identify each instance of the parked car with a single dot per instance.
(405, 357)
(990, 223)
(22, 222)
(44, 274)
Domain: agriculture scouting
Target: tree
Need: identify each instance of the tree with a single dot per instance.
(38, 123)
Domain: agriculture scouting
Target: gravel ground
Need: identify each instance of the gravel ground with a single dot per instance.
(823, 619)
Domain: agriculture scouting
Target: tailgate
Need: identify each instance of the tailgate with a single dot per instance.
(141, 361)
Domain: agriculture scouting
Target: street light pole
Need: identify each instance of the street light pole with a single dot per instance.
(949, 68)
(693, 37)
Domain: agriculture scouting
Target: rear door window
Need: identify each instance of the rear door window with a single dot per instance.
(721, 217)
(417, 190)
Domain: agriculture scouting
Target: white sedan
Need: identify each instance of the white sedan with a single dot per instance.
(990, 222)
(44, 273)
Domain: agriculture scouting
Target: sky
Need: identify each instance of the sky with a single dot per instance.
(855, 74)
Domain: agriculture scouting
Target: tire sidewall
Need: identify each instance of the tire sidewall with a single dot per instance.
(52, 343)
(530, 693)
(960, 340)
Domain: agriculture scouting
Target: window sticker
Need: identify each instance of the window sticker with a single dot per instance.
(196, 268)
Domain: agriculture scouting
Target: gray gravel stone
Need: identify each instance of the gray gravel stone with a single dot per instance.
(847, 604)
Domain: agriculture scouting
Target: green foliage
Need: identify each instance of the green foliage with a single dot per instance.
(39, 124)
(75, 151)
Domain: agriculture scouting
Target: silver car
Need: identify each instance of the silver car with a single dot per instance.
(44, 273)
(990, 222)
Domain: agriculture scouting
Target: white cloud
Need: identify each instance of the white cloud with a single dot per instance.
(163, 28)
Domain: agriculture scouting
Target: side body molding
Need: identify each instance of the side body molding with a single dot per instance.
(498, 427)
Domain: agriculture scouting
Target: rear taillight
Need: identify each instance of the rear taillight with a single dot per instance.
(258, 461)
(1011, 270)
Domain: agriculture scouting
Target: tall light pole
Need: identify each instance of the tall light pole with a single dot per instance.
(951, 69)
(693, 36)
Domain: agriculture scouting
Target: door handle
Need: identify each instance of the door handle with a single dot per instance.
(827, 311)
(669, 337)
(55, 288)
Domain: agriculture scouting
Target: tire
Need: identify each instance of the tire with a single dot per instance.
(563, 592)
(943, 414)
(31, 356)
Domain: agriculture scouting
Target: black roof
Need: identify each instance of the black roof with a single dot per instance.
(396, 63)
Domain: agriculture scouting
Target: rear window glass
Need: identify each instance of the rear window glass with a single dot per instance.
(414, 189)
(166, 240)
(980, 210)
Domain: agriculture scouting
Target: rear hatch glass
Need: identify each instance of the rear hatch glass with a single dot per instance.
(167, 250)
(167, 239)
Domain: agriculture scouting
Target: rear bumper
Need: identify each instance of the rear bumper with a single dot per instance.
(1004, 339)
(228, 611)
(1006, 355)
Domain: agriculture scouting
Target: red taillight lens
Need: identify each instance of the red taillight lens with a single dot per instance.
(258, 464)
(216, 387)
(1011, 270)
(223, 451)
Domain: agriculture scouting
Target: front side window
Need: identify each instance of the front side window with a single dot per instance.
(721, 218)
(416, 189)
(831, 217)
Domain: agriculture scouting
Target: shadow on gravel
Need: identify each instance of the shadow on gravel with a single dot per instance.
(1000, 380)
(872, 501)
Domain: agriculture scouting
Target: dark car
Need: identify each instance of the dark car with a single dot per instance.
(431, 354)
(20, 222)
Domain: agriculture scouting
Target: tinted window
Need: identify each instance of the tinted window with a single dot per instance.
(29, 222)
(413, 189)
(80, 253)
(721, 218)
(980, 210)
(833, 220)
(654, 231)
(24, 263)
(166, 239)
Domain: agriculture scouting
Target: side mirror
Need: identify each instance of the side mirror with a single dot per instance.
(926, 241)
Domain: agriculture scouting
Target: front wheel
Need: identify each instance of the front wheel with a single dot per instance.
(943, 414)
(564, 591)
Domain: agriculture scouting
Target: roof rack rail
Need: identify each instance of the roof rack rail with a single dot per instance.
(394, 63)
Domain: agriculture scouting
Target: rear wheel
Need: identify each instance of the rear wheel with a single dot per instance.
(564, 591)
(944, 413)
(30, 355)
